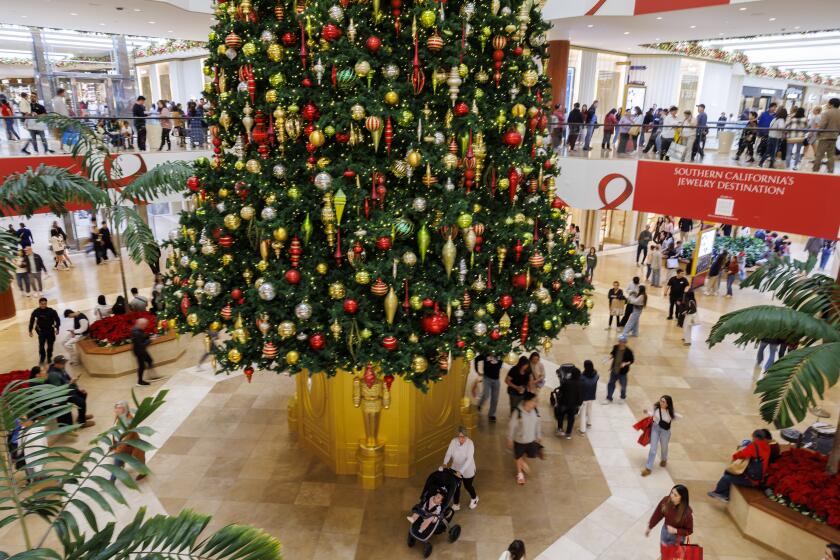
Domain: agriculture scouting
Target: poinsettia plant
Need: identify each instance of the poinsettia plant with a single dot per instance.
(799, 480)
(116, 329)
(14, 375)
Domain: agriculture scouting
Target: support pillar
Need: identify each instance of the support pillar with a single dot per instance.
(558, 71)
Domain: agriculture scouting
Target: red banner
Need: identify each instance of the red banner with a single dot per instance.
(654, 6)
(804, 203)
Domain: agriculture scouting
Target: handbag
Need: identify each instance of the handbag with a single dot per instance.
(672, 262)
(675, 150)
(737, 466)
(685, 551)
(634, 130)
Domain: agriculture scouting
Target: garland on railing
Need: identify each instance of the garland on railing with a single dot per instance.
(696, 50)
(171, 46)
(75, 61)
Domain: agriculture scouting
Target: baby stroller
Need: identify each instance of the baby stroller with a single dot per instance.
(445, 482)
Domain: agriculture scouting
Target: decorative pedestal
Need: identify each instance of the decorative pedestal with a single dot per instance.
(116, 361)
(372, 441)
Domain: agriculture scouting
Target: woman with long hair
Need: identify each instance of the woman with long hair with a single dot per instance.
(675, 510)
(638, 301)
(517, 381)
(663, 415)
(515, 551)
(124, 416)
(832, 552)
(588, 391)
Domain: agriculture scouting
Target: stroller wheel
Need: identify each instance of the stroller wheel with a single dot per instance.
(410, 540)
(454, 533)
(427, 550)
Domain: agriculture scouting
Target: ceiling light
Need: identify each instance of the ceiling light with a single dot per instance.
(772, 19)
(152, 22)
(742, 9)
(658, 17)
(169, 31)
(694, 27)
(137, 10)
(627, 33)
(102, 24)
(590, 26)
(24, 17)
(73, 14)
(796, 26)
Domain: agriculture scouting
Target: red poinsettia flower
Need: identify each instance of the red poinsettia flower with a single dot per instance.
(799, 475)
(116, 329)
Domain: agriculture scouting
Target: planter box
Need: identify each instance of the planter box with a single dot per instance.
(778, 527)
(116, 361)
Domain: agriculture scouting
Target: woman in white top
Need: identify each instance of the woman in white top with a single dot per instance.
(795, 138)
(102, 309)
(59, 251)
(660, 432)
(774, 137)
(461, 455)
(687, 133)
(537, 379)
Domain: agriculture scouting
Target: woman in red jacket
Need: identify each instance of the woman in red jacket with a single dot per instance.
(758, 453)
(679, 519)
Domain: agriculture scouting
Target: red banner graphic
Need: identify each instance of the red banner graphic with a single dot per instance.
(804, 203)
(654, 6)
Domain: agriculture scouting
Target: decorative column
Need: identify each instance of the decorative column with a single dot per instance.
(558, 71)
(370, 457)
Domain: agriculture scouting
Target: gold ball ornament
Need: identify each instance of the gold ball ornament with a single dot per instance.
(337, 290)
(321, 268)
(428, 18)
(232, 222)
(270, 199)
(208, 87)
(275, 52)
(365, 334)
(286, 329)
(280, 234)
(253, 166)
(589, 303)
(469, 354)
(392, 97)
(277, 79)
(206, 70)
(227, 259)
(357, 112)
(413, 338)
(249, 49)
(363, 277)
(414, 158)
(221, 50)
(419, 364)
(416, 302)
(518, 110)
(490, 307)
(262, 265)
(215, 326)
(234, 356)
(247, 212)
(529, 78)
(362, 68)
(548, 325)
(192, 319)
(317, 138)
(293, 193)
(292, 357)
(223, 193)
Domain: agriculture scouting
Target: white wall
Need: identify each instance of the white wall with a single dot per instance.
(715, 89)
(588, 77)
(662, 78)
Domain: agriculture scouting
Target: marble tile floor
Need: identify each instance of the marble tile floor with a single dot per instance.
(225, 450)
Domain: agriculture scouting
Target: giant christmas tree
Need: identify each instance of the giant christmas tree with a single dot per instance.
(381, 195)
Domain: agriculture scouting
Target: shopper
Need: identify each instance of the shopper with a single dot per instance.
(567, 400)
(44, 321)
(491, 366)
(57, 375)
(80, 329)
(588, 392)
(517, 381)
(609, 128)
(59, 250)
(825, 253)
(655, 132)
(59, 106)
(616, 304)
(675, 511)
(138, 302)
(624, 124)
(688, 133)
(102, 308)
(591, 118)
(732, 269)
(832, 552)
(685, 225)
(774, 137)
(558, 132)
(591, 263)
(654, 261)
(24, 235)
(670, 123)
(7, 112)
(461, 456)
(795, 137)
(106, 241)
(525, 435)
(622, 358)
(675, 289)
(165, 125)
(575, 121)
(119, 307)
(663, 415)
(35, 127)
(22, 274)
(716, 271)
(123, 417)
(638, 301)
(631, 290)
(701, 122)
(764, 122)
(644, 239)
(139, 346)
(687, 316)
(772, 346)
(757, 453)
(138, 111)
(515, 551)
(829, 126)
(536, 381)
(34, 265)
(748, 136)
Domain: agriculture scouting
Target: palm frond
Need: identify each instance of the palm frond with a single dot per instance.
(136, 235)
(796, 381)
(9, 250)
(771, 322)
(165, 537)
(161, 180)
(51, 187)
(817, 295)
(90, 150)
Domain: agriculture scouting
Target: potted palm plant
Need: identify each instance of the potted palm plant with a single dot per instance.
(810, 317)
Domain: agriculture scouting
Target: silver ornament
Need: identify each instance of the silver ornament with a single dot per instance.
(480, 328)
(409, 258)
(419, 204)
(505, 11)
(193, 250)
(279, 171)
(468, 10)
(174, 234)
(532, 307)
(221, 208)
(268, 213)
(242, 87)
(303, 311)
(323, 181)
(459, 315)
(568, 274)
(450, 186)
(266, 291)
(302, 336)
(439, 138)
(267, 36)
(184, 261)
(391, 72)
(336, 13)
(230, 53)
(212, 289)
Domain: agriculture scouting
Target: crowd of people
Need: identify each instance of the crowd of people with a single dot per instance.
(187, 126)
(680, 135)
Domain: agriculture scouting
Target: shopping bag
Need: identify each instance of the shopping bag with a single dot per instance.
(672, 262)
(676, 151)
(70, 137)
(681, 551)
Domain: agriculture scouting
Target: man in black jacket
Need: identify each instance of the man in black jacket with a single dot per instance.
(44, 320)
(492, 366)
(139, 110)
(622, 357)
(107, 241)
(139, 343)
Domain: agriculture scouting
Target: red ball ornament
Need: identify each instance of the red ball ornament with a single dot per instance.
(577, 301)
(428, 302)
(557, 202)
(460, 343)
(349, 173)
(249, 372)
(310, 113)
(226, 241)
(512, 137)
(342, 138)
(389, 342)
(289, 39)
(309, 128)
(373, 43)
(293, 276)
(495, 334)
(193, 183)
(518, 50)
(306, 82)
(236, 293)
(330, 32)
(505, 301)
(461, 109)
(379, 288)
(240, 301)
(317, 341)
(383, 243)
(351, 306)
(226, 312)
(435, 323)
(520, 281)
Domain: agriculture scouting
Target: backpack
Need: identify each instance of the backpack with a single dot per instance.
(755, 468)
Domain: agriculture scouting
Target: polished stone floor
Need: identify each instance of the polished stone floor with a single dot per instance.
(224, 447)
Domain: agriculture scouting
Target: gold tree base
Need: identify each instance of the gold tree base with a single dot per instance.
(411, 435)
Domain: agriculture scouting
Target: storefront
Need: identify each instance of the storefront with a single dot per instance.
(758, 99)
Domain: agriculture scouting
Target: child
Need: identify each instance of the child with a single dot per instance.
(429, 511)
(127, 135)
